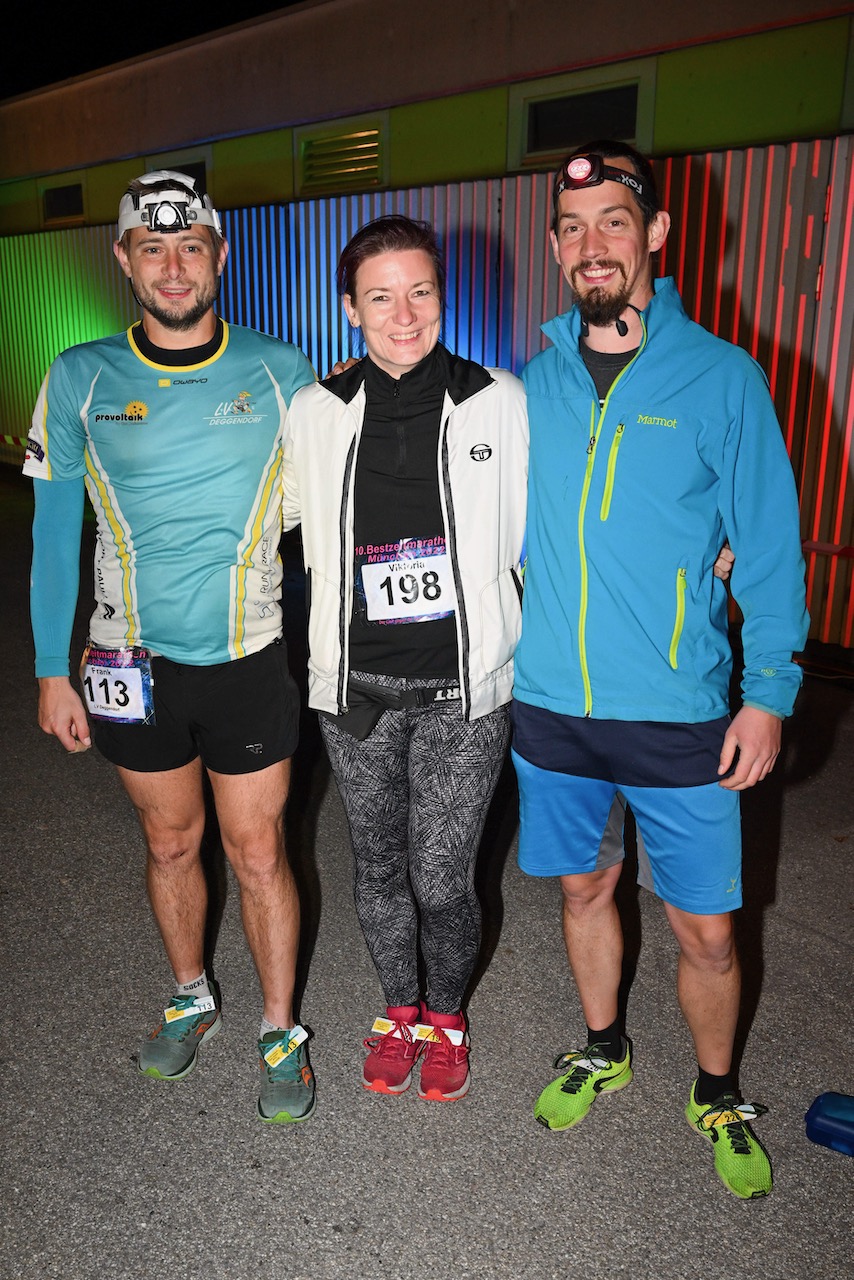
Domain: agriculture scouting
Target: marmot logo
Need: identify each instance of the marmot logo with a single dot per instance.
(656, 422)
(480, 453)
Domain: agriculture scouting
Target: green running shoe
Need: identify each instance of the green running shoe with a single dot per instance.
(741, 1161)
(287, 1087)
(170, 1052)
(568, 1099)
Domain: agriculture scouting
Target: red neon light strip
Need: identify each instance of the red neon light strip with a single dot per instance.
(704, 223)
(719, 282)
(774, 363)
(827, 422)
(795, 379)
(840, 292)
(683, 229)
(665, 204)
(760, 274)
(742, 240)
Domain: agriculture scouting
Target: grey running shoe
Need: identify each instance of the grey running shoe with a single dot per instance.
(170, 1052)
(287, 1084)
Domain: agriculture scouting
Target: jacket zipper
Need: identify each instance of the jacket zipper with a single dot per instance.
(346, 571)
(681, 584)
(582, 606)
(612, 467)
(596, 427)
(451, 544)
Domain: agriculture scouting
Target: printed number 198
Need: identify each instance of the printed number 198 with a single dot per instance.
(409, 589)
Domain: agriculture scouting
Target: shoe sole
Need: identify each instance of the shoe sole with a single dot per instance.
(154, 1074)
(284, 1117)
(753, 1195)
(614, 1087)
(380, 1086)
(436, 1095)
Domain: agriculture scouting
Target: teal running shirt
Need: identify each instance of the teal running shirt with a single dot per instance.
(183, 466)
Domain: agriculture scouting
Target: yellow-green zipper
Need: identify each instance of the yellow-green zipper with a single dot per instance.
(681, 583)
(595, 428)
(582, 606)
(612, 467)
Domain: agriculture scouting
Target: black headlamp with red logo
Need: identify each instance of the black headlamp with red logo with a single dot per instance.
(591, 170)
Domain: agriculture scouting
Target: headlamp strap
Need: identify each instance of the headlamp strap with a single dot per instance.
(591, 171)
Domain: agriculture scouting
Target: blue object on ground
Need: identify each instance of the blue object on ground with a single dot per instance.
(830, 1122)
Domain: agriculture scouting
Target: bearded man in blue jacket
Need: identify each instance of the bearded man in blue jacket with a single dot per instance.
(652, 442)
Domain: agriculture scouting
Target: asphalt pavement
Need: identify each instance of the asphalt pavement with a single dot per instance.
(109, 1175)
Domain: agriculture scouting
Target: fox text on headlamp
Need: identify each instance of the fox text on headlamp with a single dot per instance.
(591, 170)
(167, 202)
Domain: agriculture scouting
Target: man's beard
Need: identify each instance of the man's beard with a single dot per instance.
(178, 321)
(597, 306)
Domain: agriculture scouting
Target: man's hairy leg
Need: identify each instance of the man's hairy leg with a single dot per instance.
(594, 941)
(171, 809)
(708, 984)
(250, 808)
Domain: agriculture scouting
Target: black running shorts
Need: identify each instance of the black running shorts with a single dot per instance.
(239, 716)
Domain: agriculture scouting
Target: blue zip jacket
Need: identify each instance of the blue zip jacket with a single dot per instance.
(628, 507)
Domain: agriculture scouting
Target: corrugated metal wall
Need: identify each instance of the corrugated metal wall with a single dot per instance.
(760, 248)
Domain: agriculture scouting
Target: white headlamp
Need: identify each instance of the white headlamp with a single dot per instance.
(167, 202)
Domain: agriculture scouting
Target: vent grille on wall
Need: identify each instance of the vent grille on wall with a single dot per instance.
(341, 161)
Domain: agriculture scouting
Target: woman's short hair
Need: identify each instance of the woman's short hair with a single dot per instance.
(391, 233)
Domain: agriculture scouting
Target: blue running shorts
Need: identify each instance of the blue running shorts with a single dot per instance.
(689, 850)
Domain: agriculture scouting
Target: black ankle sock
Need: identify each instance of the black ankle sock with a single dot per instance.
(709, 1088)
(610, 1041)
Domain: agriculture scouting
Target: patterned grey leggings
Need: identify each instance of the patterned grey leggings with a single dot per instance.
(416, 793)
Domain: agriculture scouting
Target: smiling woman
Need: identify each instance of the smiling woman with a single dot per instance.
(409, 471)
(398, 308)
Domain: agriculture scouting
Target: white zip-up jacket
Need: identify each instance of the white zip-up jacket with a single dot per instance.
(483, 471)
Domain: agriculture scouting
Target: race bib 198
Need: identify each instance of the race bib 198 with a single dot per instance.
(118, 685)
(406, 581)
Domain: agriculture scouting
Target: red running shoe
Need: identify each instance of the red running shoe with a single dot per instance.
(445, 1075)
(392, 1052)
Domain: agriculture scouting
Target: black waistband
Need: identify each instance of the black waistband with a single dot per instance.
(366, 703)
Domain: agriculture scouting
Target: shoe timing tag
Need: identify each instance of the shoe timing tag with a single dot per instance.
(385, 1026)
(118, 685)
(729, 1115)
(423, 1032)
(204, 1004)
(282, 1048)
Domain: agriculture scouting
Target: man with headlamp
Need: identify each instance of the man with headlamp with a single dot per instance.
(156, 204)
(175, 428)
(652, 441)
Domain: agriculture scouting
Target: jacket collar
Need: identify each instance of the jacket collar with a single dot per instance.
(463, 378)
(665, 307)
